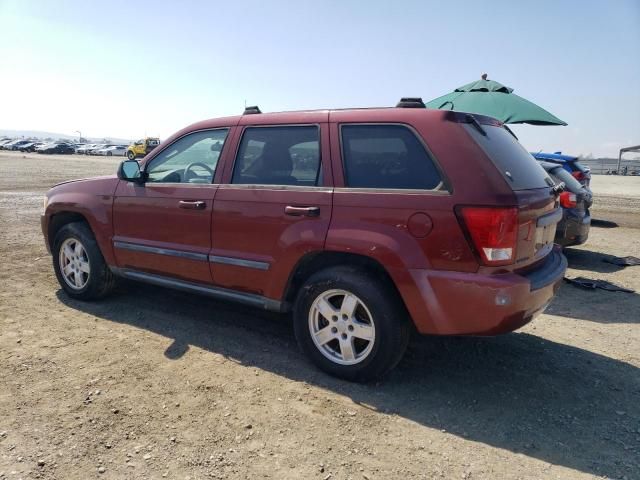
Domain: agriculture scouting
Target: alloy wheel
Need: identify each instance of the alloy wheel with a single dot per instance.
(342, 327)
(74, 264)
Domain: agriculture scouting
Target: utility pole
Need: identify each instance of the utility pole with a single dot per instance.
(80, 135)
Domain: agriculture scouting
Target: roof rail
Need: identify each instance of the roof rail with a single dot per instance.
(411, 102)
(252, 110)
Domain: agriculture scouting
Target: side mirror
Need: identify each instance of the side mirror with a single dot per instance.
(129, 170)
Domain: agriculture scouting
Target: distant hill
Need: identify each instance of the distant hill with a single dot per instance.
(57, 136)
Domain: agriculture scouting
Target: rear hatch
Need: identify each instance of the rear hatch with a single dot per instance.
(536, 201)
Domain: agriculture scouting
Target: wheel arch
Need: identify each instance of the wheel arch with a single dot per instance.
(59, 220)
(315, 261)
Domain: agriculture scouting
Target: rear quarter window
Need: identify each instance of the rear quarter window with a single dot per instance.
(517, 166)
(386, 157)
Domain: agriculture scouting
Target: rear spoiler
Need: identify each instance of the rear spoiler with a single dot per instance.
(476, 120)
(464, 117)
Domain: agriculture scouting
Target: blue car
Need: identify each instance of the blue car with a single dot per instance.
(575, 200)
(569, 163)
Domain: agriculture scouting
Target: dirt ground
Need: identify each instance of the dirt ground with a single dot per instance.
(153, 383)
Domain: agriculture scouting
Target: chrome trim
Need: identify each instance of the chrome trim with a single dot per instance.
(135, 247)
(239, 262)
(219, 293)
(263, 186)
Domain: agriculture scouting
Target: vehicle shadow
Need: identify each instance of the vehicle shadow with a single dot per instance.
(595, 222)
(581, 259)
(596, 305)
(518, 392)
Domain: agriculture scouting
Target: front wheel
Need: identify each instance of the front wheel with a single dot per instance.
(78, 263)
(109, 154)
(131, 155)
(350, 324)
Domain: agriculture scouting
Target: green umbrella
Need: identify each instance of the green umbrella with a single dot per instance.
(487, 97)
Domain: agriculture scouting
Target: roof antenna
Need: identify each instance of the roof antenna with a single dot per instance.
(484, 76)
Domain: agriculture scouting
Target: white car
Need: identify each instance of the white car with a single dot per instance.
(85, 148)
(99, 146)
(115, 150)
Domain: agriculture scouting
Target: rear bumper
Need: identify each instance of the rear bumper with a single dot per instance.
(573, 230)
(455, 303)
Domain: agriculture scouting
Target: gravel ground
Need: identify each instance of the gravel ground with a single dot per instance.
(152, 383)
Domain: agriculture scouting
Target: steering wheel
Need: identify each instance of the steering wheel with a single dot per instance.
(187, 169)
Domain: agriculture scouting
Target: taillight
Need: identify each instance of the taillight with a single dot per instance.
(568, 199)
(494, 232)
(578, 175)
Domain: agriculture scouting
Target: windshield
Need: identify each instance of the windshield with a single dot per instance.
(516, 165)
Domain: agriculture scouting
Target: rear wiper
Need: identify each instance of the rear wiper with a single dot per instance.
(472, 120)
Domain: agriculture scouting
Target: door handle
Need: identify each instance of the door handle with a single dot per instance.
(192, 205)
(302, 211)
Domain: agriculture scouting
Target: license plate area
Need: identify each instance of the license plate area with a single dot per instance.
(544, 239)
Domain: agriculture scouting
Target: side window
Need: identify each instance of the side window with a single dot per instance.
(386, 156)
(278, 156)
(191, 159)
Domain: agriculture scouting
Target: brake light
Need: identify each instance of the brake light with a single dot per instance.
(578, 175)
(568, 199)
(494, 232)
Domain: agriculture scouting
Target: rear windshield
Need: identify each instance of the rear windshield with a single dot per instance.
(580, 167)
(516, 165)
(561, 175)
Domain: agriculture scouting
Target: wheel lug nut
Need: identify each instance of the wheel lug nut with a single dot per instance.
(350, 328)
(334, 330)
(345, 317)
(334, 318)
(344, 336)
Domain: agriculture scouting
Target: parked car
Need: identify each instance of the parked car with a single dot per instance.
(29, 147)
(4, 142)
(7, 144)
(575, 200)
(571, 164)
(56, 147)
(97, 148)
(142, 147)
(83, 149)
(364, 223)
(16, 144)
(117, 150)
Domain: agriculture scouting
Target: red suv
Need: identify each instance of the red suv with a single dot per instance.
(364, 223)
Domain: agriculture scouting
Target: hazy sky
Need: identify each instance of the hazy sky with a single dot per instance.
(124, 68)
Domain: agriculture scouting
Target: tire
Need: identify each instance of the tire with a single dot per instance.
(86, 275)
(378, 315)
(131, 155)
(109, 154)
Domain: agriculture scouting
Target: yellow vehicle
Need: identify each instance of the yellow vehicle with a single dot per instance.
(140, 148)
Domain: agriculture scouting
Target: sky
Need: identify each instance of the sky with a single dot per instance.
(128, 69)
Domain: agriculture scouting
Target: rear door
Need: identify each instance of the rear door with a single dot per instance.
(164, 225)
(274, 206)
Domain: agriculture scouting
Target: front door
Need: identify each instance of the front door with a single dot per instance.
(273, 209)
(164, 225)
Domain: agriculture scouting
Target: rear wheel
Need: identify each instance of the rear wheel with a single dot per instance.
(131, 155)
(350, 324)
(109, 154)
(79, 265)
